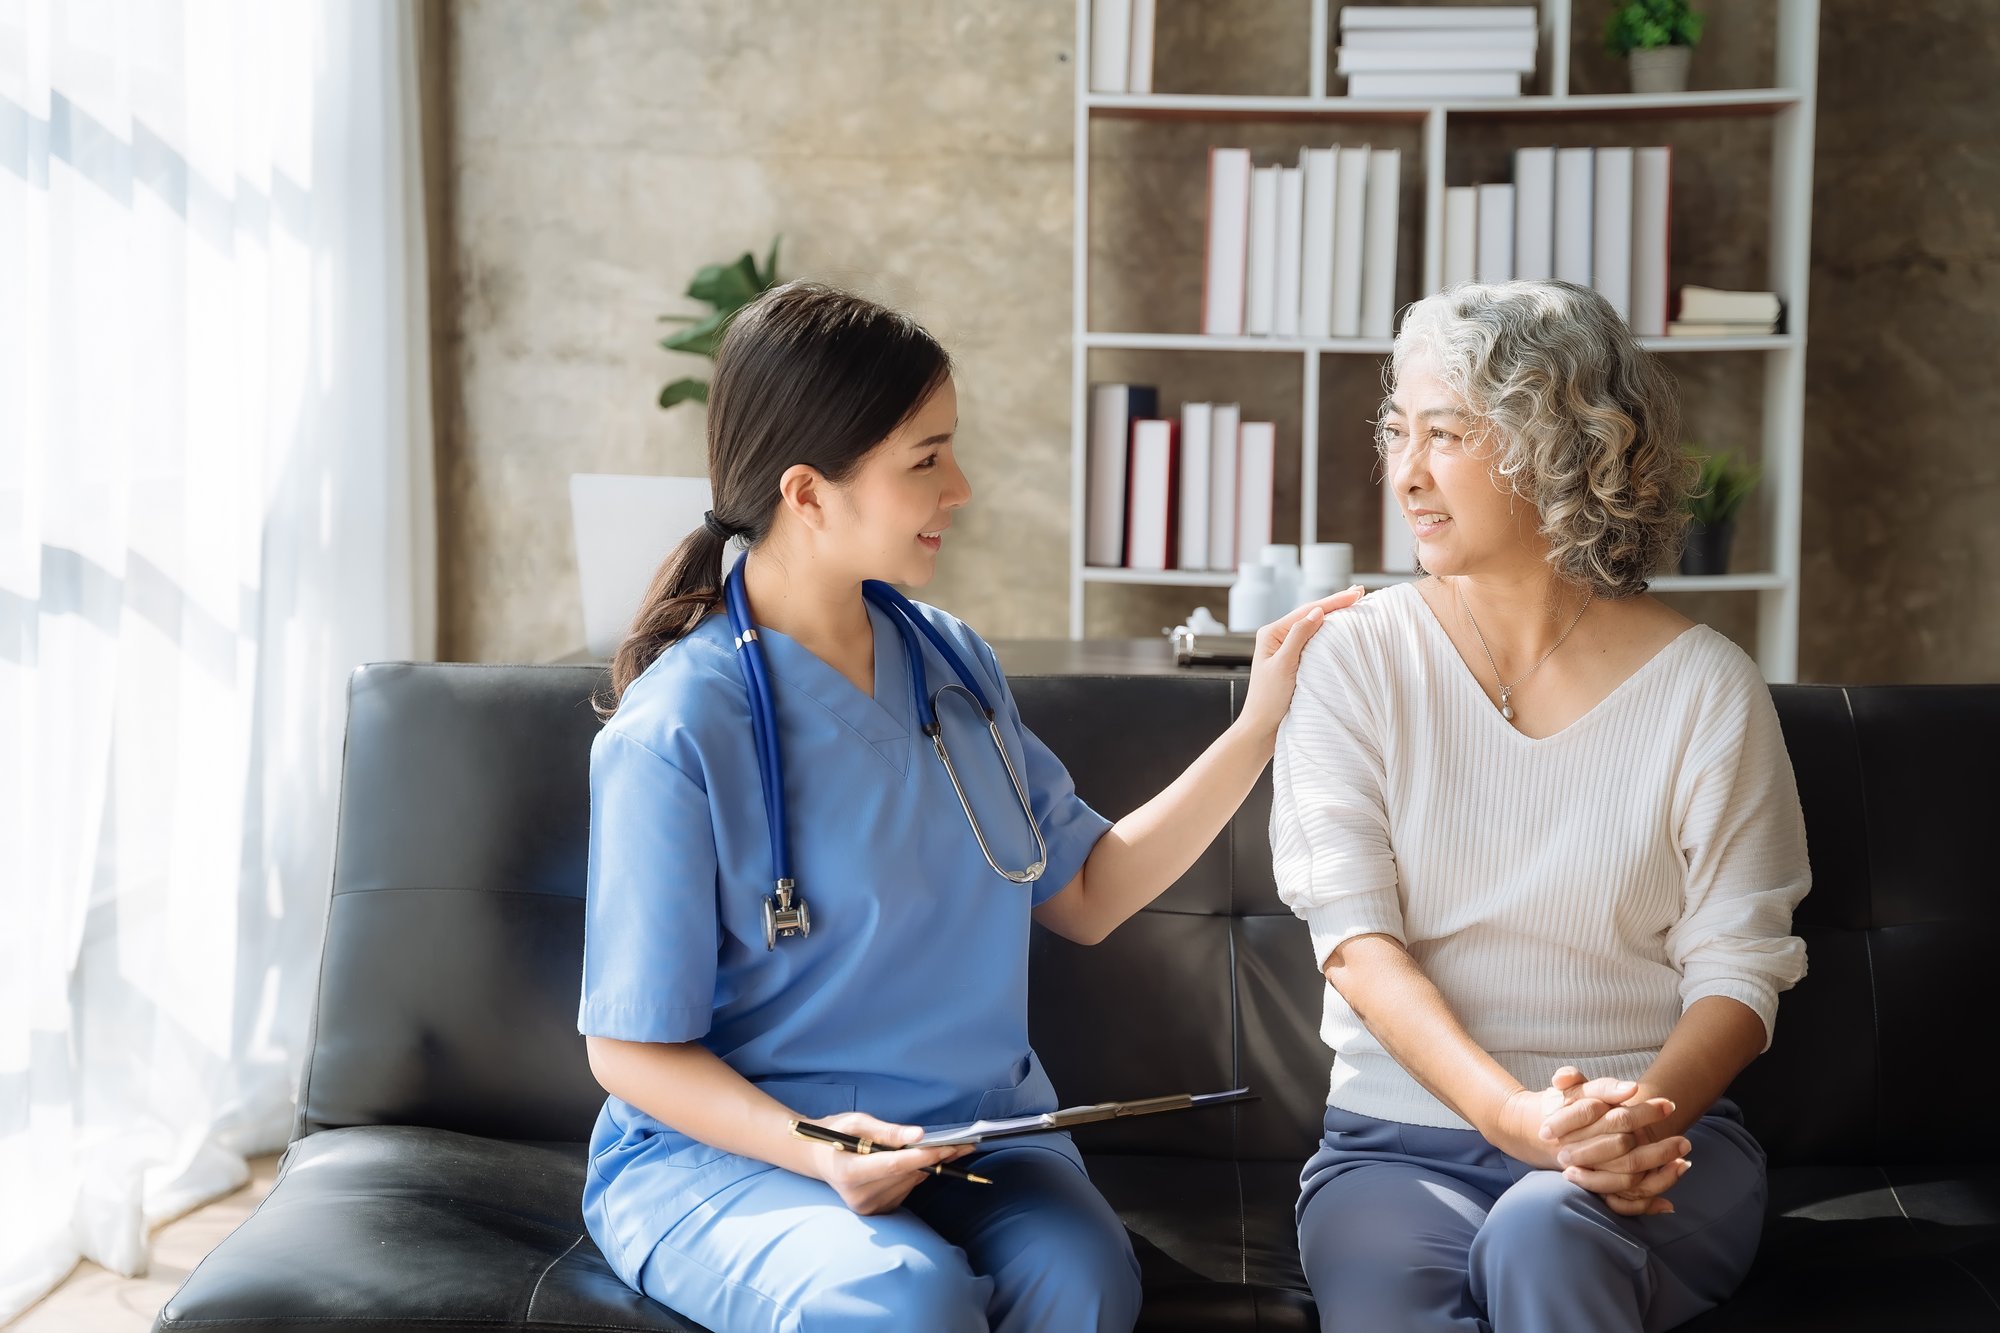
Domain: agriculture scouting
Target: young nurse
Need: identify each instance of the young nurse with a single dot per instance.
(902, 1003)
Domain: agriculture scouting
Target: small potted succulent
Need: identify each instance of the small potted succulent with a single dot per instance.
(1656, 37)
(1725, 482)
(727, 287)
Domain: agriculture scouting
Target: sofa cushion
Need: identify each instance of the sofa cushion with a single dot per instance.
(386, 1227)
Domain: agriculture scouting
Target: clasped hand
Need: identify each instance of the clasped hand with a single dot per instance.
(1602, 1136)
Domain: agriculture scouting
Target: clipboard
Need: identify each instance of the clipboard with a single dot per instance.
(981, 1130)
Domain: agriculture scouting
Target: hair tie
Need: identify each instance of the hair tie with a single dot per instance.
(722, 531)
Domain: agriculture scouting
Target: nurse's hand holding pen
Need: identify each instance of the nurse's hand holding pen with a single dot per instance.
(1150, 848)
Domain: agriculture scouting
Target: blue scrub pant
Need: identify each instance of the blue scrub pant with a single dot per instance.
(1038, 1249)
(1409, 1228)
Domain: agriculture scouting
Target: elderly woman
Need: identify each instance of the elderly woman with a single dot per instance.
(1544, 832)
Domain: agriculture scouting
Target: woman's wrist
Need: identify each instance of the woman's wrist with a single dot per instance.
(1257, 739)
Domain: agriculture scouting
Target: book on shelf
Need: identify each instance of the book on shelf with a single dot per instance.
(1461, 234)
(1709, 305)
(1466, 85)
(1470, 58)
(1575, 173)
(1611, 229)
(1121, 46)
(1652, 182)
(1191, 551)
(1534, 213)
(1355, 17)
(1496, 233)
(1228, 240)
(1510, 43)
(1316, 259)
(1113, 409)
(1716, 328)
(1378, 243)
(1256, 483)
(1350, 212)
(1291, 251)
(1224, 426)
(1139, 76)
(1305, 250)
(1150, 518)
(1260, 295)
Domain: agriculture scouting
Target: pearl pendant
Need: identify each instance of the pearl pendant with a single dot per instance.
(1506, 708)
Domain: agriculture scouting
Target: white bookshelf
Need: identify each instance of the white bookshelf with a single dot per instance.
(1789, 106)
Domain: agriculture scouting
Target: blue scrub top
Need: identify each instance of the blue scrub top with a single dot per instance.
(909, 999)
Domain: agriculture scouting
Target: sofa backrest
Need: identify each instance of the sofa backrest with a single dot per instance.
(448, 988)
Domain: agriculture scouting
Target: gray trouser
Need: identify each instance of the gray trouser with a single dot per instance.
(1404, 1227)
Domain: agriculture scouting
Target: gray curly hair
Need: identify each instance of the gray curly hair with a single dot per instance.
(1584, 423)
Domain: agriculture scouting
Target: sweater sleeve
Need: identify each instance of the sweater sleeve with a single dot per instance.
(1330, 851)
(1743, 837)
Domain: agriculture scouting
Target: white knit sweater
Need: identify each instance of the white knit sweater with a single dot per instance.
(1570, 896)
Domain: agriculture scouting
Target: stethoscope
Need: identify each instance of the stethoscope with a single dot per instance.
(785, 910)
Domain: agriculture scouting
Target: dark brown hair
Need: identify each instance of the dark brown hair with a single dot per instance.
(806, 374)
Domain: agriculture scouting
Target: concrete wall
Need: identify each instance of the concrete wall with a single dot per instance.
(920, 150)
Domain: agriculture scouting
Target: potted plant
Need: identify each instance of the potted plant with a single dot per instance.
(1725, 482)
(728, 288)
(1655, 37)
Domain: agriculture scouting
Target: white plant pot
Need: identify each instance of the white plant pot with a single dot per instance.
(1662, 69)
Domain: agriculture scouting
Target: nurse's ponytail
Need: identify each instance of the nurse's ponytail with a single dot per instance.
(806, 374)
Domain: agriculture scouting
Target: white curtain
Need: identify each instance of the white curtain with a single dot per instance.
(215, 501)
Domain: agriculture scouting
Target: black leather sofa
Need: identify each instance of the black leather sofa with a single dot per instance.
(434, 1177)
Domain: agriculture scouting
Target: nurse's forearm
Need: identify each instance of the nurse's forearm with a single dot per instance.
(686, 1087)
(1150, 848)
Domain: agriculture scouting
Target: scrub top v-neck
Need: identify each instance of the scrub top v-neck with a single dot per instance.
(909, 998)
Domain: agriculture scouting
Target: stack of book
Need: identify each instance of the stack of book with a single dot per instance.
(1190, 494)
(1596, 217)
(1303, 251)
(1441, 54)
(1708, 313)
(1121, 46)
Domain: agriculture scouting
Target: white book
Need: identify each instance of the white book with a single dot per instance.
(1496, 233)
(1110, 44)
(1353, 17)
(1139, 72)
(1151, 517)
(1720, 328)
(1378, 243)
(1350, 198)
(1316, 266)
(1461, 234)
(1223, 428)
(1535, 213)
(1257, 475)
(1399, 549)
(1710, 305)
(1611, 230)
(1261, 295)
(1112, 410)
(1196, 419)
(1291, 254)
(1652, 182)
(1512, 41)
(1469, 85)
(1402, 60)
(1228, 240)
(1575, 172)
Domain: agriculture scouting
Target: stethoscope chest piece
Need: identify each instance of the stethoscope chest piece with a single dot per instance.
(785, 914)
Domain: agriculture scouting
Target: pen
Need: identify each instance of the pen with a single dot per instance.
(849, 1143)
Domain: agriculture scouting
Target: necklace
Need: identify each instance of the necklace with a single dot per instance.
(1506, 689)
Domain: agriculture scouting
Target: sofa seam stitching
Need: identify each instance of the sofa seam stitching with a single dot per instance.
(528, 1312)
